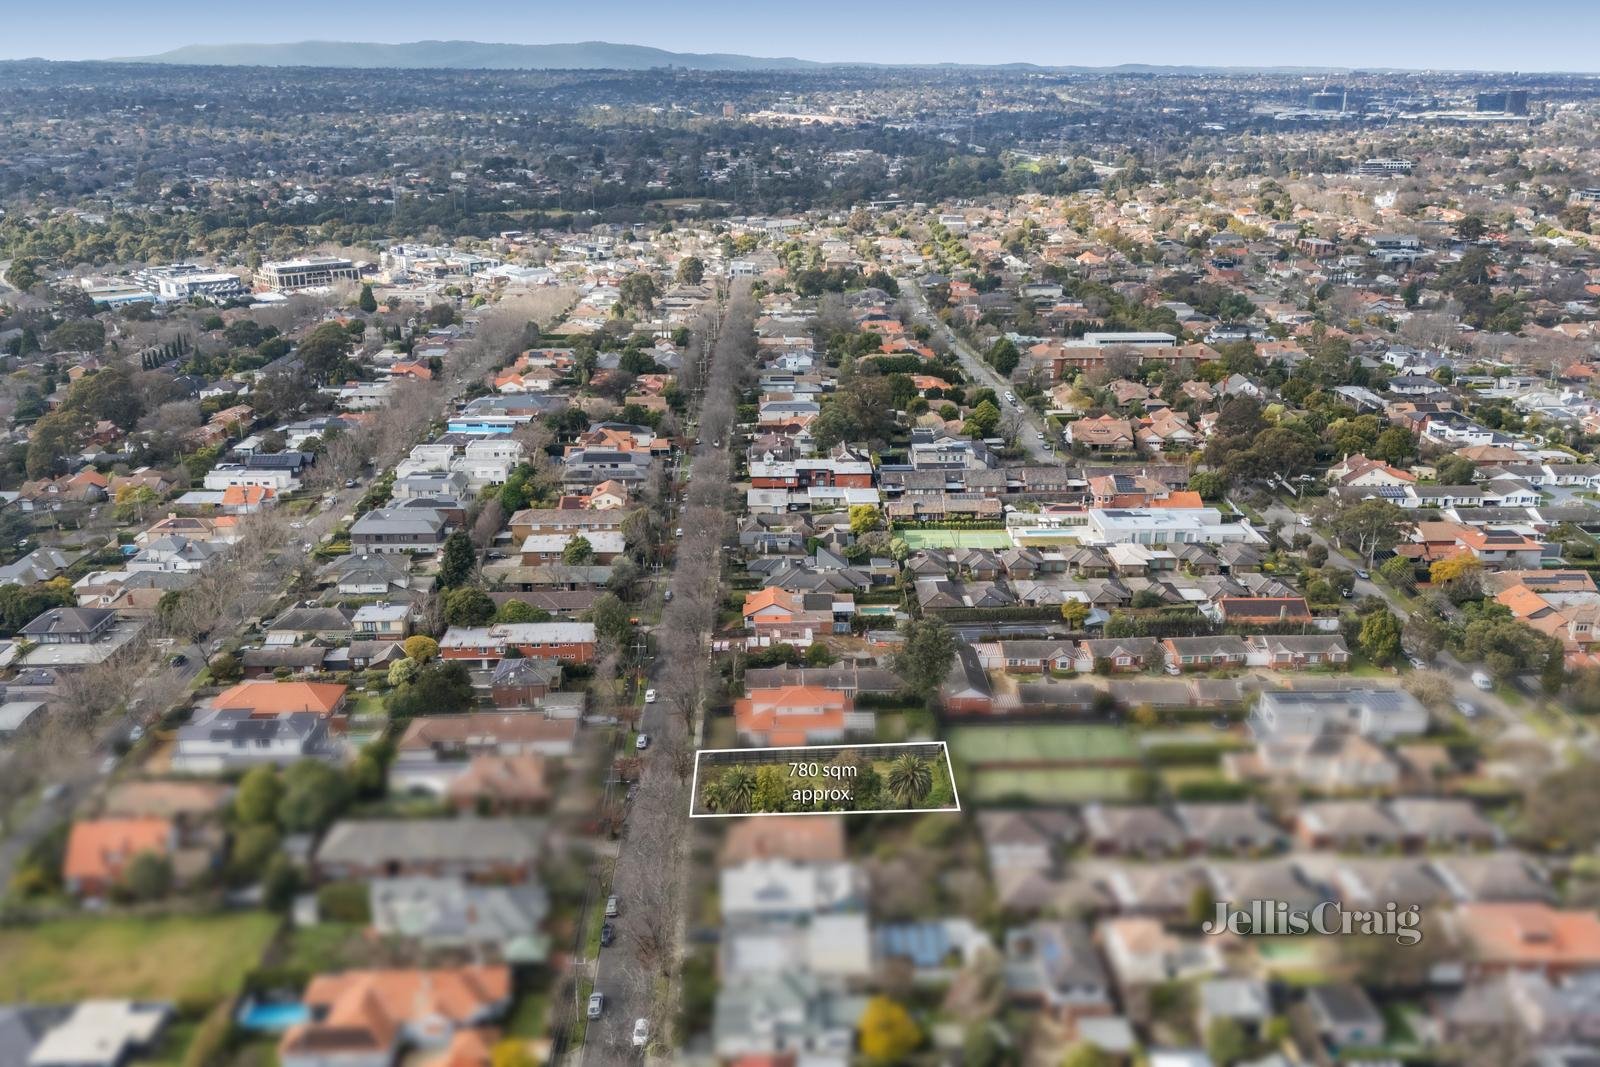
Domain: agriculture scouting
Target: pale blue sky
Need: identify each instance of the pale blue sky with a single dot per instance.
(1533, 35)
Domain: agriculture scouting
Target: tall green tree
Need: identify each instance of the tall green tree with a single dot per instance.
(1380, 637)
(457, 560)
(468, 606)
(926, 649)
(578, 552)
(314, 794)
(325, 353)
(256, 800)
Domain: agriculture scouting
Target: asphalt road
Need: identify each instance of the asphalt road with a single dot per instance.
(656, 824)
(89, 768)
(1034, 439)
(84, 772)
(635, 974)
(1458, 673)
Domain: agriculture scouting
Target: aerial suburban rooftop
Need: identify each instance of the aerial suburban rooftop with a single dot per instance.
(732, 561)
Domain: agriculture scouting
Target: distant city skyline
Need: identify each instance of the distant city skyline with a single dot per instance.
(1546, 35)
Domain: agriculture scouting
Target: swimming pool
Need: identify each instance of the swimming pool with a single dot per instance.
(272, 1018)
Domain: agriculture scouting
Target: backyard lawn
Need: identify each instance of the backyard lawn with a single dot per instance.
(198, 959)
(916, 539)
(1049, 786)
(978, 745)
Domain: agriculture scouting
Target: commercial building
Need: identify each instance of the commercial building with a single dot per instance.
(314, 272)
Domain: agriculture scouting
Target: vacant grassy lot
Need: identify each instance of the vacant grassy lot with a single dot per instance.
(954, 538)
(195, 959)
(978, 745)
(1048, 786)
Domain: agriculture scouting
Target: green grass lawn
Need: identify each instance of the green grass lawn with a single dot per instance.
(530, 1017)
(196, 959)
(1001, 744)
(916, 539)
(1176, 777)
(366, 704)
(325, 946)
(1049, 786)
(591, 934)
(580, 1026)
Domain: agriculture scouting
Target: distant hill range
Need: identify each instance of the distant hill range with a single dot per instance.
(584, 55)
(461, 55)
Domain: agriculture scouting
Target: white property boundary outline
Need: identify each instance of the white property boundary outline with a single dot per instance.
(694, 786)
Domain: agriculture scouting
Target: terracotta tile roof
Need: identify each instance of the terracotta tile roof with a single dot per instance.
(1531, 935)
(237, 495)
(261, 697)
(98, 850)
(789, 714)
(770, 597)
(801, 838)
(518, 778)
(366, 1010)
(468, 1048)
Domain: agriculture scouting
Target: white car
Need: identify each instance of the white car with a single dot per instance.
(649, 696)
(597, 1004)
(641, 1032)
(642, 742)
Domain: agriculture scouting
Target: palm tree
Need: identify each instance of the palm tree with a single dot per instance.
(910, 778)
(738, 788)
(712, 795)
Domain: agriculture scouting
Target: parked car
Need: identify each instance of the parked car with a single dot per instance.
(1363, 575)
(608, 934)
(1418, 663)
(642, 742)
(649, 696)
(641, 1032)
(1467, 708)
(597, 1004)
(613, 907)
(1481, 680)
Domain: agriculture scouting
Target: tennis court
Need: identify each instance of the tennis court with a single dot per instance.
(916, 539)
(1049, 786)
(979, 745)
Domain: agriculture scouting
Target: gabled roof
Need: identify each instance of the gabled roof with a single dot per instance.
(100, 849)
(262, 697)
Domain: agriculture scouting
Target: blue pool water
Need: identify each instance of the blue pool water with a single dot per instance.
(272, 1018)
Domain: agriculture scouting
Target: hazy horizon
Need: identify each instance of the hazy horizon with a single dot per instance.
(1465, 35)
